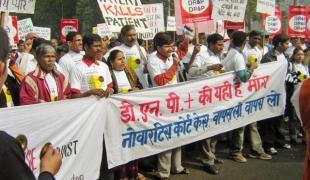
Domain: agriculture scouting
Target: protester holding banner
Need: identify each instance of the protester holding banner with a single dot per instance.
(271, 128)
(251, 48)
(12, 157)
(234, 61)
(163, 67)
(123, 83)
(134, 54)
(209, 64)
(69, 60)
(46, 83)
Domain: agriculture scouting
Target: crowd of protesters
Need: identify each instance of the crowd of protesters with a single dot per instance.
(39, 71)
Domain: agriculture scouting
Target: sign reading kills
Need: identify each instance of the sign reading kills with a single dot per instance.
(118, 13)
(195, 10)
(297, 21)
(272, 23)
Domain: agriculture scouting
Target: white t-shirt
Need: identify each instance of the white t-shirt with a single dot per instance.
(157, 66)
(94, 76)
(52, 86)
(131, 54)
(234, 61)
(26, 63)
(122, 81)
(68, 61)
(252, 51)
(189, 53)
(301, 68)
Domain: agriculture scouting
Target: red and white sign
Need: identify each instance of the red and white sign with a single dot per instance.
(308, 22)
(195, 10)
(233, 25)
(297, 21)
(11, 28)
(66, 26)
(272, 23)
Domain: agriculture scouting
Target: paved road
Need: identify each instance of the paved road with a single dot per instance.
(287, 165)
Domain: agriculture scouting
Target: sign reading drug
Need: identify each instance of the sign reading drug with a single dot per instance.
(118, 13)
(195, 10)
(66, 26)
(272, 23)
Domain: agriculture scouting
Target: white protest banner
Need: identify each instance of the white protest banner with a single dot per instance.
(230, 10)
(24, 26)
(43, 32)
(171, 23)
(76, 131)
(18, 6)
(118, 13)
(158, 119)
(154, 14)
(103, 30)
(266, 6)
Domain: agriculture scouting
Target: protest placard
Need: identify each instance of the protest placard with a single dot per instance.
(195, 10)
(11, 28)
(154, 14)
(24, 26)
(119, 13)
(103, 30)
(43, 32)
(308, 22)
(171, 23)
(273, 23)
(68, 25)
(18, 6)
(266, 6)
(230, 10)
(296, 21)
(233, 25)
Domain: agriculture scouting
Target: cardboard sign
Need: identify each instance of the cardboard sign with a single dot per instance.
(266, 6)
(233, 25)
(119, 13)
(68, 25)
(296, 21)
(43, 32)
(18, 6)
(25, 26)
(171, 23)
(195, 10)
(11, 28)
(272, 23)
(103, 30)
(230, 10)
(154, 13)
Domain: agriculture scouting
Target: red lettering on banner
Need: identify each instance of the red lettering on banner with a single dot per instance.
(149, 107)
(173, 102)
(223, 92)
(189, 101)
(205, 95)
(122, 11)
(237, 84)
(127, 112)
(257, 83)
(30, 158)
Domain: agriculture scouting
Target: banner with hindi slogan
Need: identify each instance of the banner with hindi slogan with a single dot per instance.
(155, 120)
(230, 10)
(18, 6)
(297, 20)
(118, 13)
(43, 32)
(266, 6)
(24, 26)
(76, 131)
